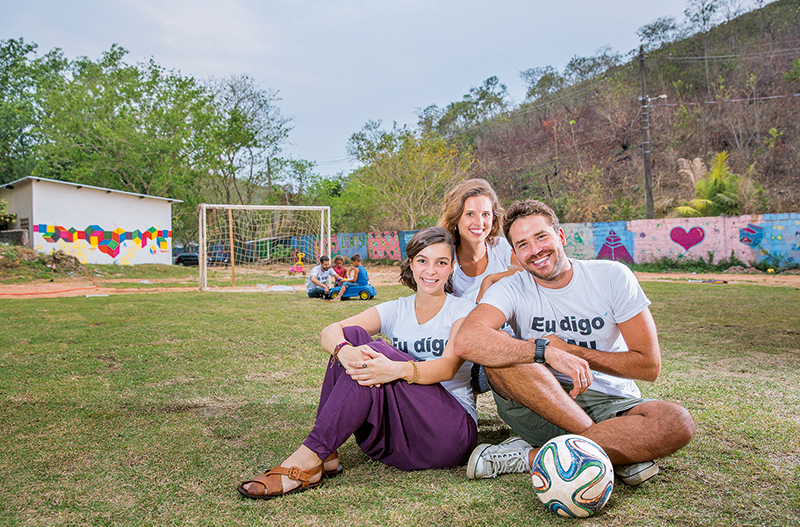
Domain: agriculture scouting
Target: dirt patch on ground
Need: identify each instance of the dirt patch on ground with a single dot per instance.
(379, 275)
(777, 280)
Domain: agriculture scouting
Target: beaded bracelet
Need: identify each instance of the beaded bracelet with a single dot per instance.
(415, 377)
(338, 348)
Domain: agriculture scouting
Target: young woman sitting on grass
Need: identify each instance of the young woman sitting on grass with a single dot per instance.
(409, 405)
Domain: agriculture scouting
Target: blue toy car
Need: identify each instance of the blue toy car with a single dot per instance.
(364, 292)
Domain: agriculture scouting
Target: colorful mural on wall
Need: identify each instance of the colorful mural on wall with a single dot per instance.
(580, 240)
(384, 246)
(107, 242)
(614, 249)
(349, 244)
(774, 238)
(687, 240)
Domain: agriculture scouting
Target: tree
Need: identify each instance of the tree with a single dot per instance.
(716, 193)
(408, 172)
(22, 76)
(580, 69)
(355, 206)
(701, 16)
(298, 175)
(6, 219)
(249, 135)
(137, 128)
(479, 105)
(793, 75)
(542, 81)
(428, 118)
(657, 33)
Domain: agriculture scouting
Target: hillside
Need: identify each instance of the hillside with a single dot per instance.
(733, 88)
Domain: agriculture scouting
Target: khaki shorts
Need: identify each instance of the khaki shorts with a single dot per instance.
(538, 431)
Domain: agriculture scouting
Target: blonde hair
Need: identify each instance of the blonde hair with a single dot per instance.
(453, 207)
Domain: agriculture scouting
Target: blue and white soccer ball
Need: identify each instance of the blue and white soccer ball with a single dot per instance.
(573, 476)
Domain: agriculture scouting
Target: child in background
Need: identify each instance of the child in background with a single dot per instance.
(358, 275)
(339, 269)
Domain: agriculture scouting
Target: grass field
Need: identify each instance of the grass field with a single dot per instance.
(149, 409)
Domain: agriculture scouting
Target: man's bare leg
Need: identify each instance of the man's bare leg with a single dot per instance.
(533, 385)
(648, 431)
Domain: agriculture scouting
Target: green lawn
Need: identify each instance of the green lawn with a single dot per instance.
(149, 409)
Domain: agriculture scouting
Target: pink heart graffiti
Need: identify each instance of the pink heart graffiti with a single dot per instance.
(687, 240)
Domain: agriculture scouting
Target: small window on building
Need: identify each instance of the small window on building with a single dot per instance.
(24, 223)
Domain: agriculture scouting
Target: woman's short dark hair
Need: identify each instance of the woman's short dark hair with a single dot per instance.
(422, 239)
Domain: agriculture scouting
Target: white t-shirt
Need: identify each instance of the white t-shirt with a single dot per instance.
(427, 341)
(499, 260)
(586, 312)
(320, 275)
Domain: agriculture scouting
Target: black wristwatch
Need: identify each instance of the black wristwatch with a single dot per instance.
(538, 358)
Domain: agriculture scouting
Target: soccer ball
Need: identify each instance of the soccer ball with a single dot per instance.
(572, 476)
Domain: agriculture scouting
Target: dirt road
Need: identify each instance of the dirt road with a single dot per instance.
(386, 275)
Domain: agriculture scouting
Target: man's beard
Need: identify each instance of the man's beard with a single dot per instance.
(559, 264)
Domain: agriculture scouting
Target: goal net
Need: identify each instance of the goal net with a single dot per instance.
(258, 246)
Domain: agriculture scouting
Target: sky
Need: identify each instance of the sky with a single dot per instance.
(337, 64)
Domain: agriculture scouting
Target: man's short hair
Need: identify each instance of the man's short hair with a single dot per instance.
(529, 207)
(324, 258)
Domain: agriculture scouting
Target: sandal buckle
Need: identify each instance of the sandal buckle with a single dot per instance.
(294, 473)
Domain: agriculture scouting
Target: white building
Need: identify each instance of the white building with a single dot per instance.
(96, 225)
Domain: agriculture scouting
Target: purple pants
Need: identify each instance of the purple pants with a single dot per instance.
(407, 426)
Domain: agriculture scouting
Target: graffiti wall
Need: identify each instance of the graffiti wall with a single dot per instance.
(771, 238)
(384, 246)
(348, 244)
(107, 242)
(95, 225)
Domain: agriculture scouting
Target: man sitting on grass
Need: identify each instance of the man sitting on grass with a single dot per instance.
(317, 285)
(358, 275)
(586, 333)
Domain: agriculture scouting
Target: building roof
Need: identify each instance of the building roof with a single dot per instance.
(10, 186)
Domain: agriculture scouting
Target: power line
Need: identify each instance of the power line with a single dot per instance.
(748, 99)
(333, 161)
(701, 58)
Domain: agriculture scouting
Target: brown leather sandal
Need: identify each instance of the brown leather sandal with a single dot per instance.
(332, 473)
(271, 486)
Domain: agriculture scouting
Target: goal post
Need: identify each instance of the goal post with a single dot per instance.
(245, 246)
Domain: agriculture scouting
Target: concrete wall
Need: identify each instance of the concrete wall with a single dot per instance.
(15, 237)
(774, 238)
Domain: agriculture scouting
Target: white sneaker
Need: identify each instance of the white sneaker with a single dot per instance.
(510, 456)
(636, 473)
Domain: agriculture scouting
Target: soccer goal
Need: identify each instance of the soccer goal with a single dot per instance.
(256, 246)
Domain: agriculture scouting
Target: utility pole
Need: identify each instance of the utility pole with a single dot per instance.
(648, 178)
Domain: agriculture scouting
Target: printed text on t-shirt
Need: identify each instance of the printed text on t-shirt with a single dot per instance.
(584, 326)
(423, 345)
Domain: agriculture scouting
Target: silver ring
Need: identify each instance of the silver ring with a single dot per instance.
(363, 365)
